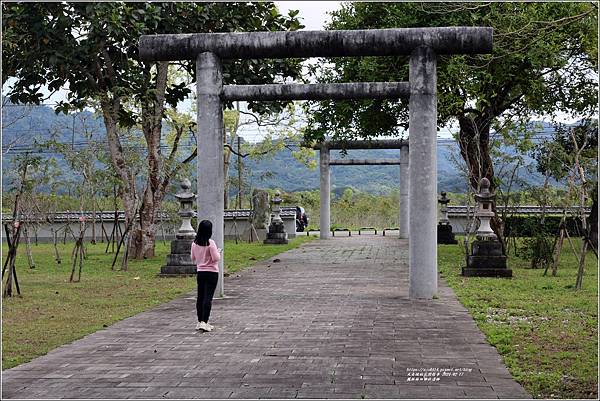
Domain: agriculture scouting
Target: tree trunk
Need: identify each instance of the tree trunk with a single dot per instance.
(93, 220)
(142, 236)
(474, 141)
(127, 189)
(226, 191)
(143, 240)
(474, 138)
(131, 211)
(28, 247)
(593, 220)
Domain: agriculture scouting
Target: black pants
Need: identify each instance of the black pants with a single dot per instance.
(207, 282)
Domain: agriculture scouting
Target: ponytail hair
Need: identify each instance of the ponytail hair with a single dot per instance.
(204, 233)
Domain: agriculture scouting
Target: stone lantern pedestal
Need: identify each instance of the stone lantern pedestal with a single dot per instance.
(276, 234)
(179, 261)
(444, 228)
(486, 258)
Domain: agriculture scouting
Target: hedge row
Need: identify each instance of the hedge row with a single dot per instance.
(527, 226)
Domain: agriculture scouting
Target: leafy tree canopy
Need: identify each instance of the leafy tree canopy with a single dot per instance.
(556, 157)
(544, 62)
(92, 49)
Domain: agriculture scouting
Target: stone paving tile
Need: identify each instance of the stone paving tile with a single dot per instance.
(332, 319)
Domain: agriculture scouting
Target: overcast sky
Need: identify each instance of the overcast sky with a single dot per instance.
(313, 14)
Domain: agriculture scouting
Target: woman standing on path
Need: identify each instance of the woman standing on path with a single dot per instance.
(206, 255)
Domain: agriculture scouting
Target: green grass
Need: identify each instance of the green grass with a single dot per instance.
(545, 330)
(52, 312)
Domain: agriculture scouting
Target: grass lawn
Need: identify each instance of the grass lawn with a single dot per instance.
(546, 331)
(52, 311)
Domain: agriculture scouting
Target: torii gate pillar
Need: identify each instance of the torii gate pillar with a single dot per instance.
(211, 177)
(403, 207)
(325, 184)
(422, 245)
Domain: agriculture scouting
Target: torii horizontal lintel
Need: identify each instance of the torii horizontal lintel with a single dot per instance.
(363, 144)
(334, 91)
(365, 162)
(299, 44)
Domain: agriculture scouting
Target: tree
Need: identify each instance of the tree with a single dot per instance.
(27, 175)
(284, 130)
(91, 48)
(231, 122)
(571, 156)
(544, 62)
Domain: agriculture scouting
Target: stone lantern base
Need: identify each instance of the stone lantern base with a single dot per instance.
(486, 260)
(445, 234)
(276, 234)
(179, 261)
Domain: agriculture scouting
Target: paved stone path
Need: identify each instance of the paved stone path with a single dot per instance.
(331, 319)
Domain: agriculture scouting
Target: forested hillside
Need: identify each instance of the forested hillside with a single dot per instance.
(23, 128)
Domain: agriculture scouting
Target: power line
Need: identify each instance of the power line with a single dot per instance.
(29, 105)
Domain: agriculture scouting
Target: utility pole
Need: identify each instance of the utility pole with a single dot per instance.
(73, 134)
(72, 144)
(239, 169)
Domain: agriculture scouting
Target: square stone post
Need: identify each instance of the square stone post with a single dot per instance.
(422, 246)
(325, 222)
(403, 217)
(210, 149)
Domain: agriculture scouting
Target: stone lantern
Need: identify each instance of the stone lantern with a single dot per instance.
(444, 229)
(276, 234)
(486, 258)
(179, 260)
(186, 200)
(484, 212)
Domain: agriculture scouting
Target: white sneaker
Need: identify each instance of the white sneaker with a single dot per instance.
(206, 326)
(200, 326)
(210, 326)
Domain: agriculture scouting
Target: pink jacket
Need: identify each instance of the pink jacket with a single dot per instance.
(206, 257)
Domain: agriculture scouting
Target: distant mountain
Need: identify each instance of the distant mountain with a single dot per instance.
(279, 171)
(283, 171)
(23, 125)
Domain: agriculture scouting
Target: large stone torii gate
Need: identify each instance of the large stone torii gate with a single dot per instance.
(421, 44)
(325, 161)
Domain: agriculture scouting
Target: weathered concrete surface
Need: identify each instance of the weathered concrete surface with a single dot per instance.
(342, 43)
(422, 191)
(363, 144)
(331, 320)
(211, 177)
(403, 198)
(364, 162)
(325, 193)
(336, 91)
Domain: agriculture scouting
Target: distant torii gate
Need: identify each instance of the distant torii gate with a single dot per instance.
(422, 44)
(325, 177)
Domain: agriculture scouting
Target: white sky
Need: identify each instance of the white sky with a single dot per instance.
(313, 14)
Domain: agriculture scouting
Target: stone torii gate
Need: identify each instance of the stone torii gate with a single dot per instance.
(325, 177)
(421, 44)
